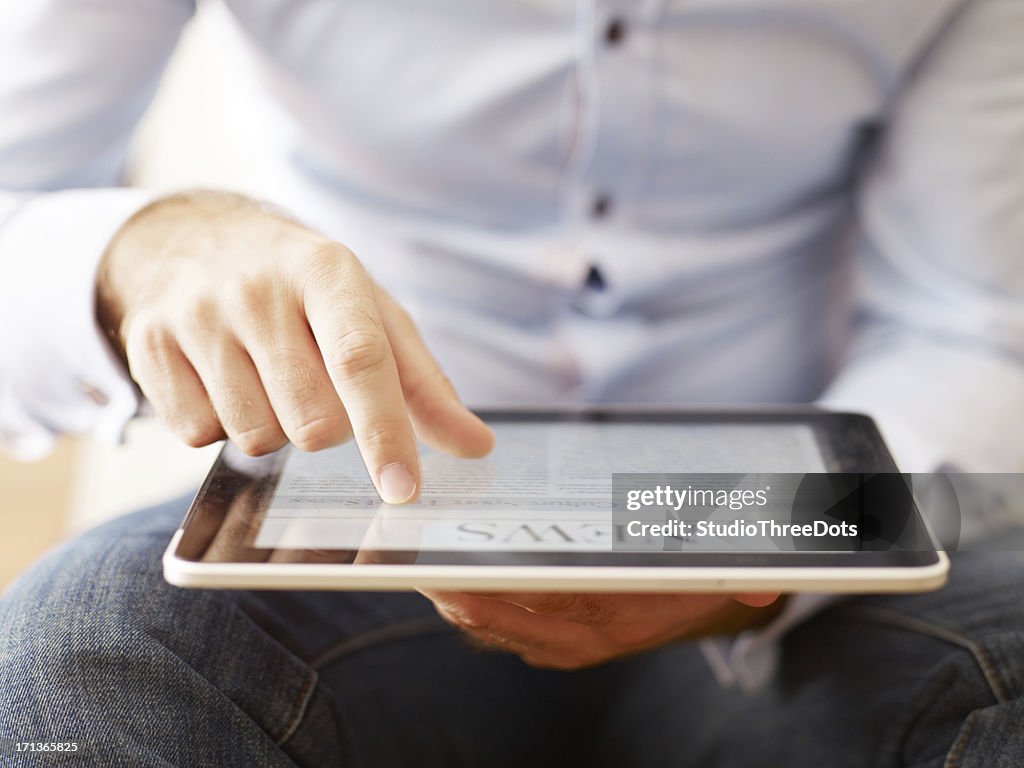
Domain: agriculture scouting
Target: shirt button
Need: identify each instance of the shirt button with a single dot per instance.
(615, 32)
(595, 280)
(602, 206)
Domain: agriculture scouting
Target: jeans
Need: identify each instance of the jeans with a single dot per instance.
(96, 648)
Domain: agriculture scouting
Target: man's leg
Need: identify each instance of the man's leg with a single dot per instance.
(96, 648)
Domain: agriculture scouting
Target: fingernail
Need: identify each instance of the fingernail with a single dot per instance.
(396, 484)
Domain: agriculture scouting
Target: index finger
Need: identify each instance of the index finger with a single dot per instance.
(339, 302)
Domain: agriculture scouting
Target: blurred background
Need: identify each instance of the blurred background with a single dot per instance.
(194, 135)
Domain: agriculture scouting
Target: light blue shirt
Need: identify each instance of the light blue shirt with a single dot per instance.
(676, 202)
(732, 170)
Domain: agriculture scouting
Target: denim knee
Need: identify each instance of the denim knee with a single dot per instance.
(973, 696)
(95, 646)
(92, 603)
(98, 590)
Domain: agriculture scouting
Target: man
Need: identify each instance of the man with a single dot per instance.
(577, 202)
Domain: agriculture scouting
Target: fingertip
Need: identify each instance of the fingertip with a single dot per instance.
(478, 440)
(456, 430)
(757, 599)
(397, 485)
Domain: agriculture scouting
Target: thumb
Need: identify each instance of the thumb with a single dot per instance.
(757, 599)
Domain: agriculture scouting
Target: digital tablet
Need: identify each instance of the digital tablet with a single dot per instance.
(587, 500)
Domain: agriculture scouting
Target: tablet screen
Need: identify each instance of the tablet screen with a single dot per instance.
(544, 487)
(555, 488)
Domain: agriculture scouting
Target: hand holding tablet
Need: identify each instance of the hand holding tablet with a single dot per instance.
(576, 630)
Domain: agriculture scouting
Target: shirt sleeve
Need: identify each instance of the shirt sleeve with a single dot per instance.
(939, 354)
(75, 79)
(938, 358)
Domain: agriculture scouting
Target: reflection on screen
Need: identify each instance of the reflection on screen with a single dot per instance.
(546, 487)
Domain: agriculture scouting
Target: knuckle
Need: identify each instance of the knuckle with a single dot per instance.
(200, 314)
(360, 352)
(232, 400)
(294, 375)
(197, 433)
(420, 389)
(251, 294)
(319, 433)
(325, 261)
(384, 434)
(148, 335)
(258, 440)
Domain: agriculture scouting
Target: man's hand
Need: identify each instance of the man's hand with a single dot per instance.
(572, 631)
(236, 321)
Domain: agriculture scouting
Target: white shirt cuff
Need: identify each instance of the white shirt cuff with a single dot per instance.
(749, 659)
